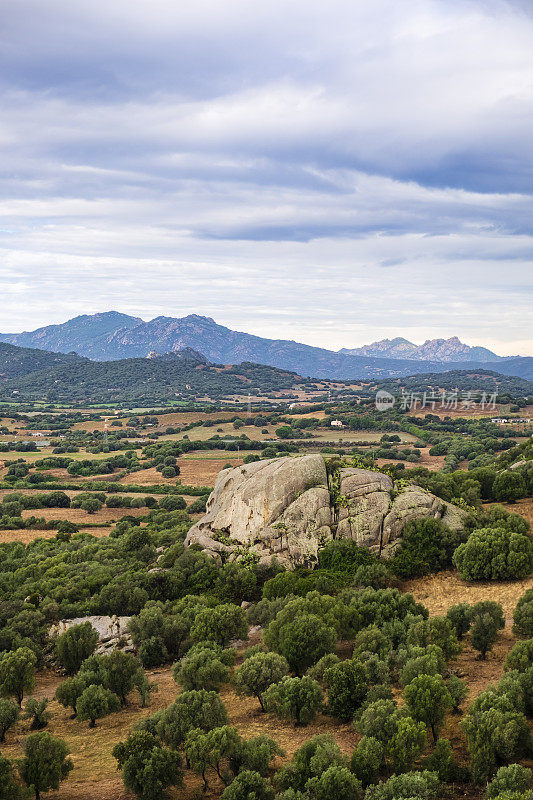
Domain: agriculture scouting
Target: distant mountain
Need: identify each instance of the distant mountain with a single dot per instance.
(432, 350)
(113, 336)
(86, 335)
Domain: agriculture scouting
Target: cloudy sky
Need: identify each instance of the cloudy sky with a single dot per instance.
(332, 172)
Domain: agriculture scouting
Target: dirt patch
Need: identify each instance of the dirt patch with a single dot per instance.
(105, 515)
(203, 472)
(27, 535)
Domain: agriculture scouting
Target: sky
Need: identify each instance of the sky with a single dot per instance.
(330, 172)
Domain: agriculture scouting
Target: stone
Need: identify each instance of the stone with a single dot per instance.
(288, 508)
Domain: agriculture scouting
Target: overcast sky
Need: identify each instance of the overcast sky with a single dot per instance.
(332, 172)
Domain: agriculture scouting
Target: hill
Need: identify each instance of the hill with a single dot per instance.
(155, 379)
(18, 361)
(112, 340)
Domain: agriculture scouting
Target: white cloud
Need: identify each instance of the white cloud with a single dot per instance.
(329, 173)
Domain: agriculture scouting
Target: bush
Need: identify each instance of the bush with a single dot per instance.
(367, 760)
(75, 645)
(316, 672)
(460, 618)
(523, 615)
(302, 641)
(494, 554)
(36, 710)
(428, 700)
(512, 778)
(205, 666)
(258, 672)
(96, 702)
(484, 633)
(344, 555)
(335, 782)
(427, 546)
(147, 768)
(297, 699)
(520, 657)
(346, 688)
(220, 624)
(248, 785)
(9, 714)
(45, 762)
(152, 652)
(309, 761)
(509, 486)
(410, 786)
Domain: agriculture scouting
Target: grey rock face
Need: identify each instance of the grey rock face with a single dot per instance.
(287, 508)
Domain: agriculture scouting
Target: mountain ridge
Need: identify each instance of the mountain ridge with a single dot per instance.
(451, 349)
(113, 336)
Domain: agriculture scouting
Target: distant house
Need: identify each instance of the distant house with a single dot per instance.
(336, 423)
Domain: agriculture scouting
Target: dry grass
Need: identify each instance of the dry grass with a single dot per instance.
(445, 589)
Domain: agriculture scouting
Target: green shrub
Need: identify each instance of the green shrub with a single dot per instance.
(297, 699)
(494, 554)
(427, 546)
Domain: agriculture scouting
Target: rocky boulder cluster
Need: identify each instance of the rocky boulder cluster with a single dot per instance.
(291, 507)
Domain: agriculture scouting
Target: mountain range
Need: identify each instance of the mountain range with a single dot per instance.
(112, 336)
(451, 349)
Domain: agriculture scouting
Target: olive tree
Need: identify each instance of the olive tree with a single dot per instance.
(258, 672)
(297, 699)
(45, 763)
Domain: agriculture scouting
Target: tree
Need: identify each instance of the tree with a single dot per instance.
(45, 763)
(9, 714)
(410, 785)
(484, 633)
(17, 670)
(346, 688)
(520, 657)
(458, 690)
(407, 743)
(512, 778)
(75, 645)
(91, 505)
(120, 671)
(8, 788)
(147, 768)
(96, 702)
(303, 641)
(523, 615)
(205, 666)
(460, 618)
(509, 486)
(191, 709)
(69, 690)
(335, 782)
(248, 785)
(297, 699)
(494, 554)
(220, 624)
(36, 710)
(258, 672)
(367, 760)
(496, 733)
(428, 699)
(309, 761)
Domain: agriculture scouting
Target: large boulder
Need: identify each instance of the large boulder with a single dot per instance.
(290, 508)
